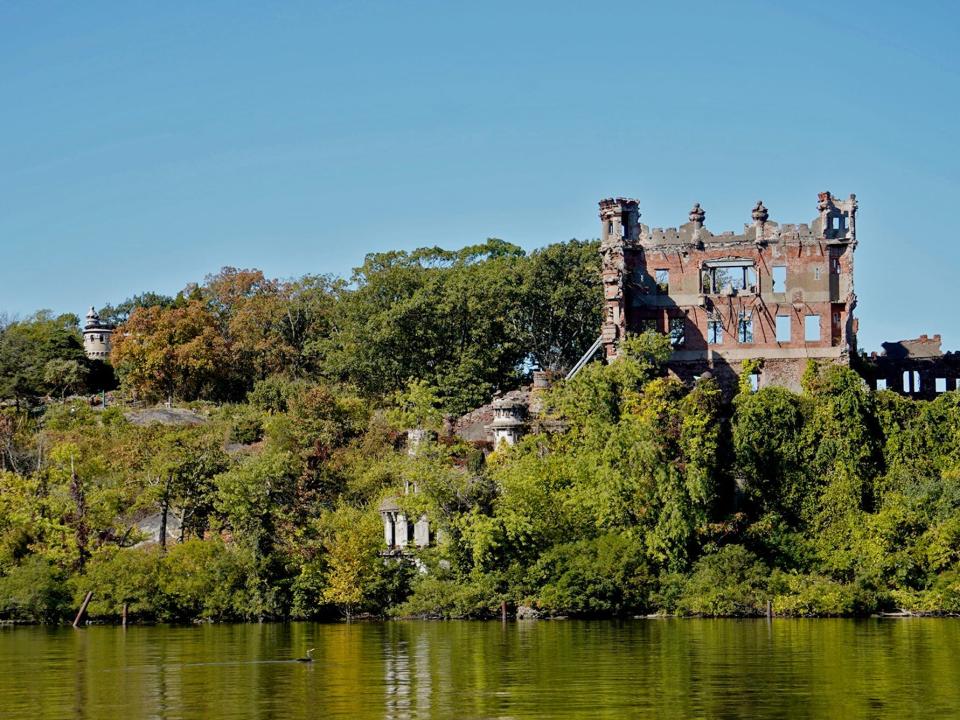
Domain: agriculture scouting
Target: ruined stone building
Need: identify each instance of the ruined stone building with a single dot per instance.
(401, 532)
(96, 337)
(767, 300)
(918, 368)
(776, 294)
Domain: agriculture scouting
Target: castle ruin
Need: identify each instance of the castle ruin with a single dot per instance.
(778, 295)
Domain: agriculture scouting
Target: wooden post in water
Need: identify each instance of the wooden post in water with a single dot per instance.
(769, 609)
(124, 615)
(83, 609)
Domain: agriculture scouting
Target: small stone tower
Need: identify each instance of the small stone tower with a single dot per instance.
(96, 337)
(508, 422)
(619, 231)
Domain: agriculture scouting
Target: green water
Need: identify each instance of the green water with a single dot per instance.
(642, 668)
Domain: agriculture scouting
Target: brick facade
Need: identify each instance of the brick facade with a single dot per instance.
(777, 294)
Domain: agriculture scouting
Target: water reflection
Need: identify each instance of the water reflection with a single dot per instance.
(408, 670)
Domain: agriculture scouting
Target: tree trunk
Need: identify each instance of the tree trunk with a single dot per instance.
(80, 505)
(83, 609)
(124, 615)
(164, 510)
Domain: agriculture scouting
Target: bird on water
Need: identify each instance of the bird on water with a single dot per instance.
(308, 657)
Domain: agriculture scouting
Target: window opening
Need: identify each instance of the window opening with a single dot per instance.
(783, 328)
(881, 383)
(663, 280)
(816, 273)
(648, 325)
(677, 326)
(941, 385)
(811, 328)
(745, 327)
(754, 381)
(779, 278)
(728, 276)
(714, 331)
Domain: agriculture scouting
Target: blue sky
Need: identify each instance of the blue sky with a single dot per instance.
(145, 145)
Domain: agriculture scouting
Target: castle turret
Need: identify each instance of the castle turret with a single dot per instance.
(619, 228)
(96, 337)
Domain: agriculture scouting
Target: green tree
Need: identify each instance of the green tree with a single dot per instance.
(63, 376)
(26, 348)
(352, 540)
(561, 305)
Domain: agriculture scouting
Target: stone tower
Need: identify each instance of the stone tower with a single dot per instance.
(96, 337)
(619, 230)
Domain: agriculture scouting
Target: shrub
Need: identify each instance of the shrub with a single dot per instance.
(202, 579)
(440, 596)
(35, 591)
(811, 596)
(607, 575)
(731, 582)
(121, 576)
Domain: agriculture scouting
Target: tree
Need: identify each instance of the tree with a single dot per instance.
(120, 313)
(27, 346)
(352, 539)
(562, 303)
(447, 317)
(173, 353)
(64, 375)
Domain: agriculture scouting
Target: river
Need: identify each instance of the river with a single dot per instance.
(906, 668)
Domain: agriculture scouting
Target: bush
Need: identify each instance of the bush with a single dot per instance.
(121, 576)
(942, 597)
(811, 596)
(246, 426)
(35, 591)
(729, 583)
(273, 393)
(607, 575)
(438, 596)
(202, 579)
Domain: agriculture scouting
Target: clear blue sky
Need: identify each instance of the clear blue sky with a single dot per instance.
(145, 145)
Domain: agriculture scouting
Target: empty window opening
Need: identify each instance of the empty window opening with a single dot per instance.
(745, 327)
(881, 383)
(837, 222)
(714, 331)
(663, 280)
(410, 531)
(941, 385)
(816, 273)
(722, 277)
(649, 325)
(677, 326)
(783, 328)
(811, 328)
(779, 277)
(835, 265)
(911, 381)
(754, 381)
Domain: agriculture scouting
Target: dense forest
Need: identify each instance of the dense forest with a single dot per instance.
(640, 495)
